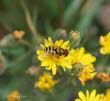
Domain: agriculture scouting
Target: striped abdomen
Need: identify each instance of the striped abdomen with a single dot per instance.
(59, 51)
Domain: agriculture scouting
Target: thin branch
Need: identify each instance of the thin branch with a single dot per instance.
(29, 22)
(60, 11)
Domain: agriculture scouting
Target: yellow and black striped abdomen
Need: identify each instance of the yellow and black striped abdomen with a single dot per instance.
(56, 51)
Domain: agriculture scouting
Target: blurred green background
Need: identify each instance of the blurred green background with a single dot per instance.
(40, 19)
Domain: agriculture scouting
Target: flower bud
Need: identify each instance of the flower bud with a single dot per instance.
(74, 38)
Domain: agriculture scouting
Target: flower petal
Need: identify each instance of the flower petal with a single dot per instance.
(78, 100)
(54, 69)
(87, 95)
(82, 96)
(59, 43)
(92, 95)
(65, 44)
(42, 46)
(97, 98)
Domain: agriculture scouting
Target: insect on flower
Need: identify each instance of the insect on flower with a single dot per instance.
(56, 51)
(55, 54)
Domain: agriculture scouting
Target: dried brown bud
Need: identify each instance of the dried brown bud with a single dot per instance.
(104, 77)
(33, 70)
(17, 35)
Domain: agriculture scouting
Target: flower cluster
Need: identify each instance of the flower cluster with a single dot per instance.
(45, 82)
(86, 59)
(58, 54)
(86, 74)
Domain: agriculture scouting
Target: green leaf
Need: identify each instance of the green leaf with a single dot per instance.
(71, 10)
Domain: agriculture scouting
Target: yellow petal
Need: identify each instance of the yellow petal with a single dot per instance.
(78, 100)
(39, 52)
(82, 96)
(65, 44)
(102, 41)
(42, 46)
(59, 43)
(46, 43)
(97, 98)
(54, 69)
(102, 51)
(108, 93)
(45, 63)
(92, 95)
(50, 40)
(87, 95)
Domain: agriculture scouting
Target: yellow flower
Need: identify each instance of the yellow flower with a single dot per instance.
(52, 60)
(79, 56)
(45, 82)
(107, 96)
(105, 43)
(89, 96)
(86, 74)
(14, 96)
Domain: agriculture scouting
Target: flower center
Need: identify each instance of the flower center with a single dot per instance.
(55, 58)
